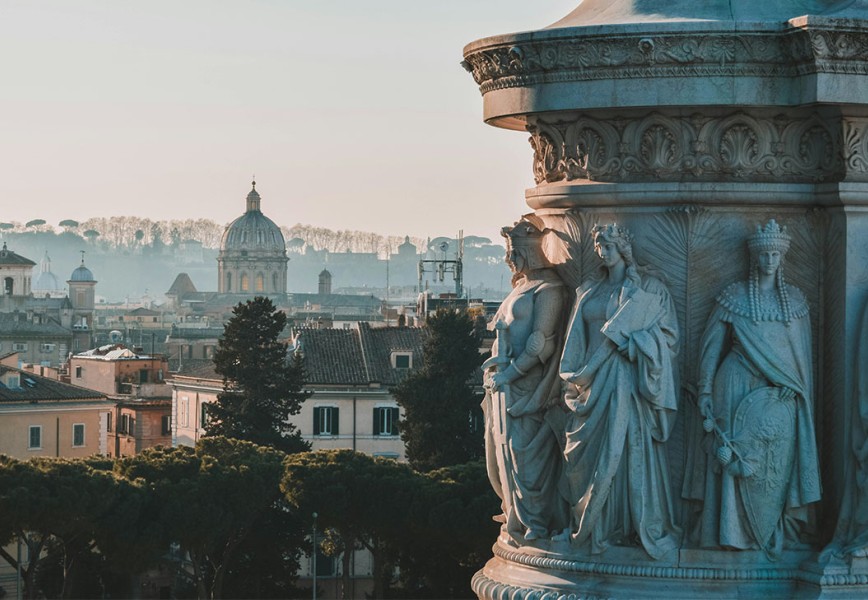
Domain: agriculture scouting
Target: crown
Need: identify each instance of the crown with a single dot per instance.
(770, 237)
(613, 230)
(524, 233)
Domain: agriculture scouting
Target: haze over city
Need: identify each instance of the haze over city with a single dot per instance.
(350, 115)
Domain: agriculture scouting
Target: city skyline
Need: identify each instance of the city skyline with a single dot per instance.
(350, 115)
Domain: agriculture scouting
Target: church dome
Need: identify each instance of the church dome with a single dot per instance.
(82, 273)
(47, 281)
(253, 230)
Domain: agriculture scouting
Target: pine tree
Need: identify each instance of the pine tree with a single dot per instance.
(261, 388)
(439, 402)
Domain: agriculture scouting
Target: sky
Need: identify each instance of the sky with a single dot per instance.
(350, 114)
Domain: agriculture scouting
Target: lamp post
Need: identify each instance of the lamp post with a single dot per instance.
(313, 556)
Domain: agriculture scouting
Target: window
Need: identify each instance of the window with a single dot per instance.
(386, 420)
(46, 348)
(402, 360)
(108, 421)
(78, 435)
(203, 415)
(143, 376)
(19, 347)
(260, 282)
(34, 441)
(184, 411)
(126, 424)
(325, 420)
(326, 566)
(228, 282)
(167, 425)
(78, 371)
(245, 283)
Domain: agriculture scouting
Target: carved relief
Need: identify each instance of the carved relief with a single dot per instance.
(787, 54)
(522, 385)
(856, 146)
(598, 57)
(657, 147)
(618, 364)
(755, 393)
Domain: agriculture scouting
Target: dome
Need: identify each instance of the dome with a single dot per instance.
(46, 282)
(82, 273)
(253, 230)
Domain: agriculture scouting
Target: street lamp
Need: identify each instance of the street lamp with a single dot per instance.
(313, 556)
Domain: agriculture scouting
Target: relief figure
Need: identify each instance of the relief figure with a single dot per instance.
(521, 379)
(755, 393)
(618, 361)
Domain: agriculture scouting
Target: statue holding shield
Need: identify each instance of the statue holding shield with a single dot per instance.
(521, 377)
(755, 393)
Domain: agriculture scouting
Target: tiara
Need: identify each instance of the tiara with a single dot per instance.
(612, 230)
(770, 237)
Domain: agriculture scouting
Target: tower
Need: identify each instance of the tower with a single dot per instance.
(82, 292)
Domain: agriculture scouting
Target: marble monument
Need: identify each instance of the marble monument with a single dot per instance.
(676, 401)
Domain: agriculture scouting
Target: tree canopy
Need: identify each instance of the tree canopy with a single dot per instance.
(441, 408)
(363, 500)
(261, 388)
(208, 499)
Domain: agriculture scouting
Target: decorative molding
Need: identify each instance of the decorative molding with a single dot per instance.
(524, 61)
(618, 57)
(648, 569)
(657, 147)
(485, 587)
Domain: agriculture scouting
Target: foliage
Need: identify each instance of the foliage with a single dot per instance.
(67, 505)
(363, 500)
(451, 533)
(322, 238)
(208, 500)
(439, 402)
(261, 389)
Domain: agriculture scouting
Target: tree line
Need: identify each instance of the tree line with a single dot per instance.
(131, 233)
(230, 519)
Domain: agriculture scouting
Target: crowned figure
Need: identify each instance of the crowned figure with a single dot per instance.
(755, 394)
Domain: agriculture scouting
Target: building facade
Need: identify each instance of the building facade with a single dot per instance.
(44, 417)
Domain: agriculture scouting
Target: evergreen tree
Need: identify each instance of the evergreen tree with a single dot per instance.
(261, 388)
(440, 405)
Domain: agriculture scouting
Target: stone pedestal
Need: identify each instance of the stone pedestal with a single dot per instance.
(690, 123)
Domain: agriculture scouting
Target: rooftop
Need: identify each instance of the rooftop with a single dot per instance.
(33, 388)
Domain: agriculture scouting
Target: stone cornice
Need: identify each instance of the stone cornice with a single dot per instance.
(522, 60)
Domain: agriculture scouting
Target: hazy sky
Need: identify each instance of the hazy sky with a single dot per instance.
(351, 114)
